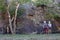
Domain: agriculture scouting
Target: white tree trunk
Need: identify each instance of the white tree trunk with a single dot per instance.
(15, 17)
(10, 22)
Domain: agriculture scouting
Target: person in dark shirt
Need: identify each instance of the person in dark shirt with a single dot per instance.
(45, 27)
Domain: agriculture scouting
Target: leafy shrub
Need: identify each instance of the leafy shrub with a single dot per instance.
(21, 10)
(13, 8)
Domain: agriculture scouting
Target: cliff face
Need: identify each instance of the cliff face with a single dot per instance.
(31, 21)
(57, 0)
(1, 21)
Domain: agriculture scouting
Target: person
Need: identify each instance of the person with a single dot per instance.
(45, 27)
(50, 26)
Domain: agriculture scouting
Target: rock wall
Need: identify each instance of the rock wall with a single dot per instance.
(32, 21)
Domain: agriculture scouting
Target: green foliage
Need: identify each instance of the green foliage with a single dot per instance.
(49, 16)
(46, 2)
(23, 1)
(2, 5)
(58, 4)
(13, 8)
(56, 17)
(20, 11)
(52, 13)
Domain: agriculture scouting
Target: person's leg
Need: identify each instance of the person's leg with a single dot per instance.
(49, 31)
(46, 30)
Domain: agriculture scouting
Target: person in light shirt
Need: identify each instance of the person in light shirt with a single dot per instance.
(50, 26)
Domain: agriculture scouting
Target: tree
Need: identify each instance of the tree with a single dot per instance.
(13, 18)
(12, 14)
(10, 18)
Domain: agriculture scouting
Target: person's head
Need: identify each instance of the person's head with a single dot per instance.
(49, 22)
(44, 22)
